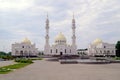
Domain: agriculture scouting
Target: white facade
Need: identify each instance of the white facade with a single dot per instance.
(101, 48)
(25, 48)
(60, 46)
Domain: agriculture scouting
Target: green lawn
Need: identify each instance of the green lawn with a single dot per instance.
(9, 68)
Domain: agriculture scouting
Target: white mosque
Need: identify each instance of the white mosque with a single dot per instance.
(60, 46)
(24, 48)
(100, 48)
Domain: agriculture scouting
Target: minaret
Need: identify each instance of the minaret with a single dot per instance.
(47, 46)
(73, 36)
(73, 32)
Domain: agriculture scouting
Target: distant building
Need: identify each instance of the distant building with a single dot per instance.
(25, 48)
(60, 46)
(100, 48)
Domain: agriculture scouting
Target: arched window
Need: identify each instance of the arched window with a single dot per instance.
(108, 51)
(16, 52)
(30, 53)
(65, 50)
(51, 51)
(25, 53)
(56, 50)
(104, 46)
(21, 53)
(22, 46)
(104, 51)
(113, 52)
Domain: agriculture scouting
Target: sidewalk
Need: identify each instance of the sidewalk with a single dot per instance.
(5, 63)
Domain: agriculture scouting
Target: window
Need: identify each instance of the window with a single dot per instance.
(113, 52)
(21, 53)
(51, 51)
(70, 50)
(65, 50)
(104, 51)
(56, 51)
(22, 46)
(108, 51)
(16, 52)
(104, 46)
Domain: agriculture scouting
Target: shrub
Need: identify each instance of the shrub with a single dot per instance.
(36, 58)
(23, 60)
(117, 58)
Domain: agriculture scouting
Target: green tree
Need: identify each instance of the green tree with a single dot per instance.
(118, 49)
(9, 53)
(6, 56)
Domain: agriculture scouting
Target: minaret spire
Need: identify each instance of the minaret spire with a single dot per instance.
(73, 15)
(47, 15)
(73, 35)
(47, 46)
(73, 31)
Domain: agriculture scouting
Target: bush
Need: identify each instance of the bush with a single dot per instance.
(117, 58)
(36, 58)
(23, 60)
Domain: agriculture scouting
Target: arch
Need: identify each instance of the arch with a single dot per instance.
(70, 50)
(51, 50)
(22, 46)
(65, 51)
(56, 51)
(61, 53)
(25, 53)
(100, 51)
(21, 53)
(112, 51)
(104, 51)
(16, 52)
(30, 53)
(108, 51)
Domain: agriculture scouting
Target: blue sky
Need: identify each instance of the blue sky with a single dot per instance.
(26, 18)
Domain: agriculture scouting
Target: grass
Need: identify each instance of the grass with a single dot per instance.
(9, 68)
(21, 62)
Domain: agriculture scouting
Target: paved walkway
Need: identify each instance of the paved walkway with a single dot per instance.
(47, 70)
(5, 63)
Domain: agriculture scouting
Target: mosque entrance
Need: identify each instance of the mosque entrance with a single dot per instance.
(61, 53)
(21, 53)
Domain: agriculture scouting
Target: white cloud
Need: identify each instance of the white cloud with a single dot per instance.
(94, 19)
(15, 4)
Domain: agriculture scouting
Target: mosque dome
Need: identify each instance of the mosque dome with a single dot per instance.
(26, 40)
(60, 38)
(97, 41)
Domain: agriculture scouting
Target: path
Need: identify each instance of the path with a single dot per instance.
(5, 63)
(47, 70)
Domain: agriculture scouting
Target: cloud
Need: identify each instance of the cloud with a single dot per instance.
(15, 4)
(26, 18)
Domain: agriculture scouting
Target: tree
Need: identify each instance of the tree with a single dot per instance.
(9, 53)
(118, 49)
(6, 56)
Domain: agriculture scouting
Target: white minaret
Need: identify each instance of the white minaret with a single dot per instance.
(47, 45)
(74, 47)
